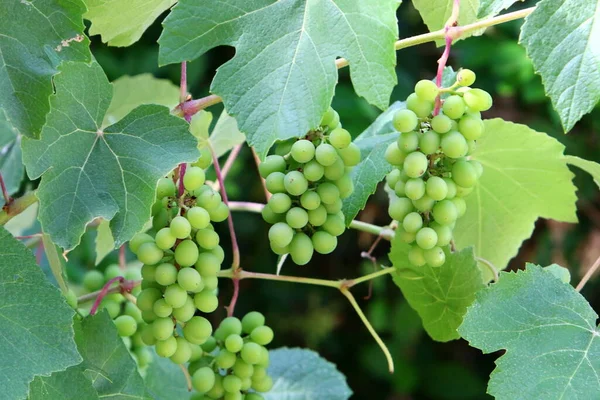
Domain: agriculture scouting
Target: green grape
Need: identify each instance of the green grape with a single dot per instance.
(394, 155)
(464, 174)
(264, 358)
(419, 106)
(186, 253)
(407, 142)
(160, 220)
(147, 335)
(328, 117)
(252, 320)
(336, 170)
(262, 335)
(461, 206)
(454, 107)
(313, 171)
(132, 310)
(209, 199)
(93, 280)
(426, 238)
(206, 302)
(465, 77)
(116, 297)
(112, 307)
(445, 212)
(193, 179)
(328, 192)
(345, 186)
(441, 123)
(335, 207)
(412, 222)
(198, 217)
(334, 225)
(242, 369)
(164, 239)
(149, 253)
(203, 380)
(251, 352)
(209, 345)
(424, 204)
(133, 273)
(272, 164)
(274, 182)
(166, 274)
(399, 208)
(126, 325)
(350, 155)
(205, 158)
(416, 256)
(220, 213)
(405, 121)
(323, 242)
(406, 237)
(138, 240)
(400, 189)
(436, 188)
(230, 326)
(278, 249)
(415, 164)
(414, 188)
(443, 232)
(426, 90)
(259, 372)
(180, 227)
(111, 272)
(186, 312)
(197, 330)
(471, 146)
(149, 316)
(270, 216)
(463, 191)
(340, 138)
(295, 183)
(435, 257)
(429, 142)
(303, 151)
(280, 203)
(211, 282)
(254, 396)
(393, 177)
(166, 348)
(451, 188)
(264, 385)
(189, 279)
(301, 249)
(147, 297)
(478, 167)
(470, 127)
(207, 238)
(478, 100)
(281, 234)
(234, 343)
(182, 353)
(232, 384)
(143, 355)
(175, 295)
(296, 218)
(162, 309)
(165, 187)
(454, 145)
(162, 328)
(326, 154)
(318, 216)
(310, 200)
(219, 253)
(225, 359)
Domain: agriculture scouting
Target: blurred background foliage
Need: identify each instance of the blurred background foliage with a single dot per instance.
(320, 318)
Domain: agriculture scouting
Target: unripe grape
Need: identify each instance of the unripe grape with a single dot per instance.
(310, 200)
(435, 257)
(436, 188)
(175, 295)
(470, 127)
(147, 335)
(419, 106)
(415, 164)
(451, 188)
(186, 253)
(160, 220)
(393, 177)
(303, 151)
(345, 186)
(429, 142)
(194, 178)
(234, 343)
(189, 279)
(270, 216)
(126, 325)
(138, 240)
(444, 233)
(406, 237)
(328, 192)
(207, 238)
(296, 218)
(209, 199)
(230, 326)
(281, 234)
(400, 189)
(165, 187)
(426, 238)
(326, 154)
(252, 320)
(149, 253)
(463, 191)
(203, 380)
(225, 359)
(198, 217)
(478, 167)
(441, 123)
(394, 155)
(206, 302)
(271, 164)
(424, 204)
(112, 307)
(147, 297)
(464, 174)
(232, 384)
(279, 250)
(335, 122)
(251, 352)
(445, 212)
(164, 239)
(205, 158)
(412, 222)
(262, 335)
(180, 227)
(454, 107)
(166, 274)
(334, 225)
(461, 206)
(242, 369)
(280, 203)
(350, 155)
(149, 316)
(408, 142)
(454, 145)
(414, 188)
(111, 272)
(295, 183)
(318, 216)
(93, 280)
(132, 310)
(219, 253)
(197, 330)
(478, 100)
(264, 385)
(274, 182)
(162, 328)
(162, 309)
(313, 171)
(220, 213)
(465, 77)
(400, 208)
(328, 117)
(340, 138)
(301, 248)
(182, 353)
(426, 90)
(209, 345)
(323, 242)
(166, 348)
(416, 256)
(405, 121)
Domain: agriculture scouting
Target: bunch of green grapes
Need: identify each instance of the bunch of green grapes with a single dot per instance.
(433, 171)
(181, 260)
(125, 314)
(232, 363)
(307, 186)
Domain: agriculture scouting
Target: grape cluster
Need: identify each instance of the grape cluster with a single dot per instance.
(181, 261)
(232, 363)
(126, 316)
(307, 186)
(433, 173)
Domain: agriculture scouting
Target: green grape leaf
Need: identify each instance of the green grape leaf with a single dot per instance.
(200, 127)
(35, 36)
(435, 13)
(226, 135)
(489, 8)
(524, 177)
(561, 38)
(303, 374)
(105, 243)
(55, 262)
(106, 361)
(122, 23)
(89, 172)
(71, 384)
(164, 380)
(282, 78)
(590, 167)
(130, 92)
(440, 295)
(11, 166)
(548, 331)
(36, 324)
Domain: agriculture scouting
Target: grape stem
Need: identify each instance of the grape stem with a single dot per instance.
(183, 85)
(103, 293)
(17, 206)
(262, 180)
(490, 266)
(122, 258)
(188, 378)
(228, 164)
(588, 275)
(125, 286)
(7, 198)
(234, 296)
(191, 107)
(448, 36)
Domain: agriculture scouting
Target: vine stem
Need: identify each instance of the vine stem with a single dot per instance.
(262, 180)
(193, 106)
(183, 85)
(588, 275)
(104, 292)
(17, 206)
(125, 285)
(188, 378)
(7, 198)
(452, 22)
(234, 296)
(490, 266)
(122, 258)
(228, 164)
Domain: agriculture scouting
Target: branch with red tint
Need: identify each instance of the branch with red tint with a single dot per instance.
(449, 37)
(7, 198)
(262, 180)
(234, 296)
(125, 286)
(228, 164)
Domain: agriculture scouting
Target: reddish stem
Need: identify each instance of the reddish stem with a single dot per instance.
(103, 293)
(262, 180)
(452, 22)
(234, 297)
(230, 160)
(182, 168)
(28, 236)
(39, 253)
(183, 85)
(7, 198)
(122, 260)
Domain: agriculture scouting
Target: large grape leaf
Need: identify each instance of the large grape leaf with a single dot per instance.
(165, 380)
(524, 177)
(561, 38)
(282, 78)
(440, 295)
(89, 172)
(590, 167)
(489, 8)
(35, 36)
(71, 384)
(435, 13)
(122, 23)
(11, 166)
(303, 374)
(36, 325)
(548, 331)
